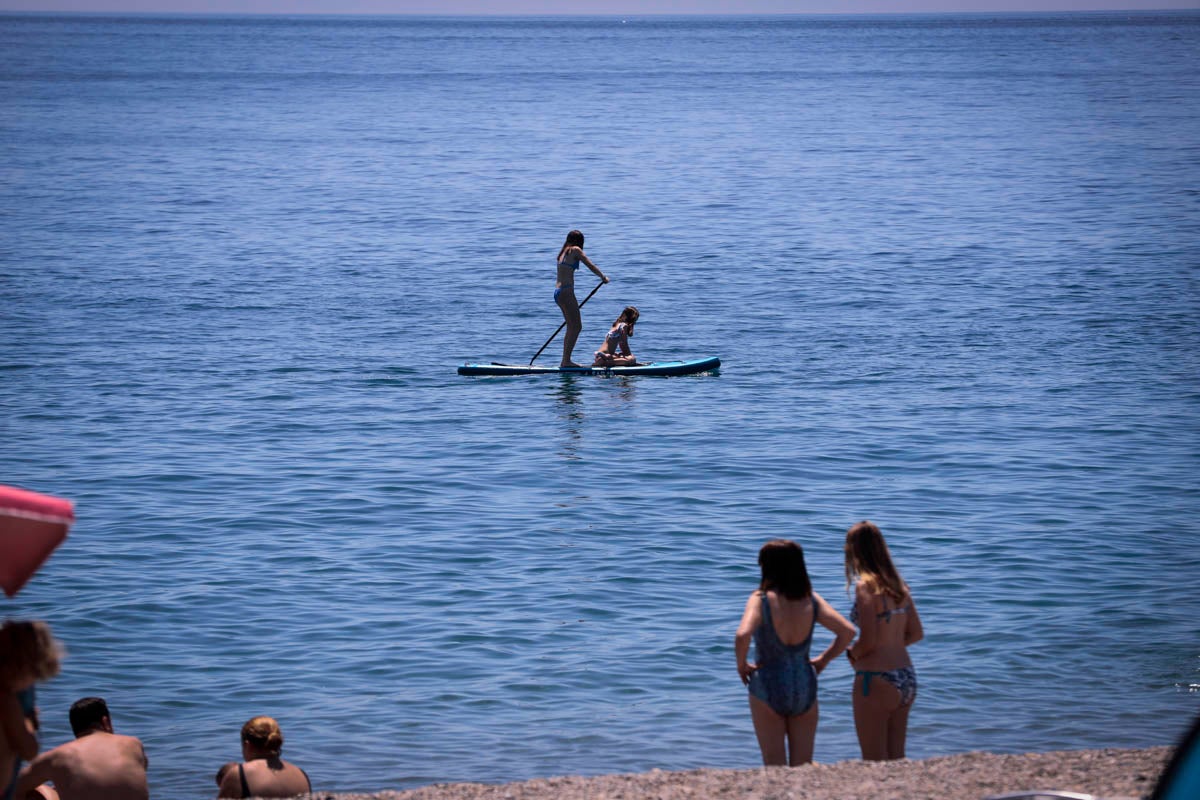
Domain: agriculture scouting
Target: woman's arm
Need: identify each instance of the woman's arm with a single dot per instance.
(843, 633)
(623, 342)
(231, 782)
(751, 619)
(867, 624)
(21, 733)
(913, 631)
(588, 262)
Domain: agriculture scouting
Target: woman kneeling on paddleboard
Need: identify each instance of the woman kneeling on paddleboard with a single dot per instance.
(615, 350)
(570, 255)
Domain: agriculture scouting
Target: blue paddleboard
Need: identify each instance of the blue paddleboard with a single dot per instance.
(655, 368)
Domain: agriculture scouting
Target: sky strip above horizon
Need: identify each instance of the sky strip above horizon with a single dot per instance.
(599, 7)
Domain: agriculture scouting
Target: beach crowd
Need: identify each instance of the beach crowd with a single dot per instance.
(779, 620)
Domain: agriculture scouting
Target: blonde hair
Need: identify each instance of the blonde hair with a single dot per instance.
(870, 562)
(263, 733)
(28, 653)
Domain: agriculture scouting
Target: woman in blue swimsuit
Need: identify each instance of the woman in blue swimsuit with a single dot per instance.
(885, 683)
(29, 653)
(780, 617)
(570, 256)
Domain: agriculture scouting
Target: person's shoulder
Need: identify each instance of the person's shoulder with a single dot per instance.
(864, 593)
(230, 780)
(64, 753)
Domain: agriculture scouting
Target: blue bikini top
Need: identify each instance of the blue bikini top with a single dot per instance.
(885, 615)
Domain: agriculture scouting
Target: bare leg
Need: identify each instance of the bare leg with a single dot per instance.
(871, 715)
(898, 732)
(570, 311)
(770, 728)
(801, 732)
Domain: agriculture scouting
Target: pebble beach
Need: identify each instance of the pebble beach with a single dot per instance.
(1111, 774)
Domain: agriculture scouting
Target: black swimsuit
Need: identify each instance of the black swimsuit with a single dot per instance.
(246, 786)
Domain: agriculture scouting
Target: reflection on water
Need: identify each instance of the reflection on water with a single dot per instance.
(569, 395)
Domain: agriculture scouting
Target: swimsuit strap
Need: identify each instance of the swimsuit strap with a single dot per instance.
(769, 623)
(242, 777)
(886, 614)
(867, 675)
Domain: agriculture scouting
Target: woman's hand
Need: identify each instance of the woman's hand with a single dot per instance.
(745, 670)
(604, 278)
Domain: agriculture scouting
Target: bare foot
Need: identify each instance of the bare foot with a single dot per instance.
(570, 364)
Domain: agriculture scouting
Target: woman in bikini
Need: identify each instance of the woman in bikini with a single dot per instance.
(570, 256)
(264, 773)
(885, 683)
(615, 350)
(780, 618)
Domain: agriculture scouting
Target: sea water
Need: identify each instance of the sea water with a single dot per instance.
(950, 265)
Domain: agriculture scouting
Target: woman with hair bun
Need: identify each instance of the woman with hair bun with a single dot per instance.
(780, 618)
(885, 683)
(263, 773)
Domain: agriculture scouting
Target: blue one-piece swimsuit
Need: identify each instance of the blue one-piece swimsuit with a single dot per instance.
(785, 679)
(28, 699)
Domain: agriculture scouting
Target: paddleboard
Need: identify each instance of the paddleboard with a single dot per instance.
(655, 368)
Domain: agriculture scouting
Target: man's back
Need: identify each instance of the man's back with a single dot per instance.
(98, 766)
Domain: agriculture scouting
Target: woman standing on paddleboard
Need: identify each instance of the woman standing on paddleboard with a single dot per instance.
(570, 256)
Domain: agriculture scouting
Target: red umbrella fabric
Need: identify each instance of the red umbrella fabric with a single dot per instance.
(31, 526)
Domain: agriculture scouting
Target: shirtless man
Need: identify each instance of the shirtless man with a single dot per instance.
(97, 765)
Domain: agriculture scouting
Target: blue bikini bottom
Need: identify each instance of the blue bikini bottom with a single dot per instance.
(904, 679)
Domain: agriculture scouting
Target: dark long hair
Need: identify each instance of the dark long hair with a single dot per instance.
(630, 317)
(574, 239)
(783, 570)
(869, 560)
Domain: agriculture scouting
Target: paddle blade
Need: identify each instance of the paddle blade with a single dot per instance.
(31, 526)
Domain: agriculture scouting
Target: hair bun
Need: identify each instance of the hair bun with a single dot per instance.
(263, 732)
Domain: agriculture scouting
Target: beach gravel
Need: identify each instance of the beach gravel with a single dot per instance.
(1108, 774)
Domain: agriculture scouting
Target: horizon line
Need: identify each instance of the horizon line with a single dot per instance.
(614, 15)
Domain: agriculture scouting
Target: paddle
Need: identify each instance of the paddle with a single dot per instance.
(564, 324)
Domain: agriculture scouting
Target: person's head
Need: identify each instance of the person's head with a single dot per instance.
(783, 569)
(90, 714)
(261, 736)
(869, 560)
(630, 317)
(574, 239)
(28, 653)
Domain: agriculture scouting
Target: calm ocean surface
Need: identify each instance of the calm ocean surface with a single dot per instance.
(951, 265)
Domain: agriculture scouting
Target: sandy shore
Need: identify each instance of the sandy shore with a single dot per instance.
(1109, 774)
